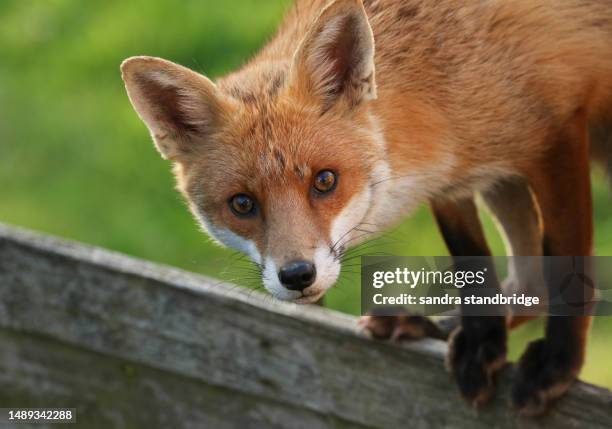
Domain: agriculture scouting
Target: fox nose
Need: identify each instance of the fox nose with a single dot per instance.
(297, 275)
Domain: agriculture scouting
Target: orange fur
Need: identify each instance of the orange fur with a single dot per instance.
(405, 101)
(408, 100)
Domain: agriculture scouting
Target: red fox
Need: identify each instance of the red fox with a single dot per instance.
(358, 111)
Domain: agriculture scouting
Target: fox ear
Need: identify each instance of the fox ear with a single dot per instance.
(179, 106)
(335, 61)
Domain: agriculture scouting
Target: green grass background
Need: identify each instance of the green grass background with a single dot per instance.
(75, 160)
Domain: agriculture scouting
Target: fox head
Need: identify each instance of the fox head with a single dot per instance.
(280, 159)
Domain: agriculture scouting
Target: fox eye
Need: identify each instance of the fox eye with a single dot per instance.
(242, 205)
(325, 181)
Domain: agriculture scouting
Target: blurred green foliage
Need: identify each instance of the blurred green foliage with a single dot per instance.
(76, 161)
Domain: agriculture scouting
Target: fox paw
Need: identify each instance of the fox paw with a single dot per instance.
(473, 361)
(543, 376)
(398, 327)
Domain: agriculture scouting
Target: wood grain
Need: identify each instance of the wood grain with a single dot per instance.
(133, 344)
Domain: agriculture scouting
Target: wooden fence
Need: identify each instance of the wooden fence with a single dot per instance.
(131, 344)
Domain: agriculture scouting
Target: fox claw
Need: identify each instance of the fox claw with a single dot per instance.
(473, 362)
(399, 327)
(543, 376)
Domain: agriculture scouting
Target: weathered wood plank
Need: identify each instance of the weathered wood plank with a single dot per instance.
(111, 393)
(221, 337)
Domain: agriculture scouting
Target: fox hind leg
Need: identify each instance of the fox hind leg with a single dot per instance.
(516, 212)
(561, 185)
